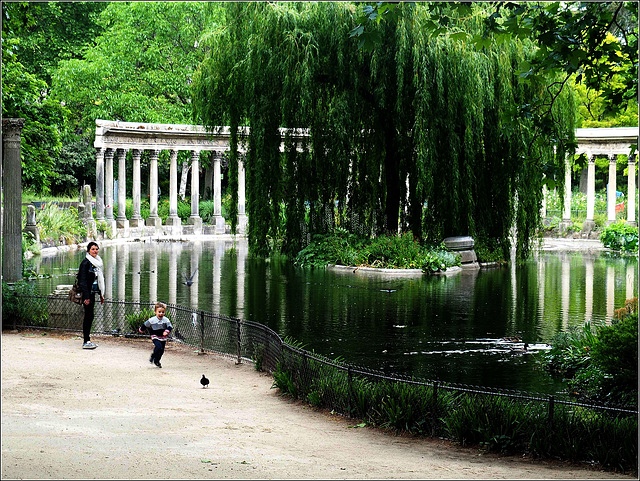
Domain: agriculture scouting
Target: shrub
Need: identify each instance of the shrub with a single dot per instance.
(135, 320)
(16, 309)
(620, 236)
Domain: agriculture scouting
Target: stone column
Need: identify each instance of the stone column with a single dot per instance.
(589, 223)
(100, 184)
(631, 192)
(195, 218)
(566, 213)
(217, 194)
(242, 216)
(108, 184)
(12, 197)
(611, 190)
(136, 218)
(173, 219)
(122, 191)
(154, 219)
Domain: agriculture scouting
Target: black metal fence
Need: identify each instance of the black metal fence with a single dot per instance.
(502, 420)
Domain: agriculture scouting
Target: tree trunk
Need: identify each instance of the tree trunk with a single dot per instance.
(186, 166)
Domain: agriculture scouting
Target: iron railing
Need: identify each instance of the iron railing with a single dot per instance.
(402, 402)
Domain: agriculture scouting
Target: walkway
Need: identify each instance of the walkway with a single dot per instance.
(69, 413)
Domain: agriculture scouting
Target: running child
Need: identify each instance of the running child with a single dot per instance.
(160, 328)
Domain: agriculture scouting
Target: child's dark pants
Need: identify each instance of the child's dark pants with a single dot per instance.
(158, 351)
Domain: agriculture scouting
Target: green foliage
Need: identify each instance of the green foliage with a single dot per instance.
(599, 364)
(22, 311)
(60, 225)
(433, 110)
(140, 67)
(396, 252)
(620, 236)
(136, 319)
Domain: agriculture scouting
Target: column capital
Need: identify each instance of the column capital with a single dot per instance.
(613, 158)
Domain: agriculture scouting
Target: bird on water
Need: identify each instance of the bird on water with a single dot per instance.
(204, 381)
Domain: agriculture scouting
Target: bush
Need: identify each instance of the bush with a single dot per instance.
(620, 236)
(395, 252)
(600, 366)
(60, 225)
(135, 320)
(19, 312)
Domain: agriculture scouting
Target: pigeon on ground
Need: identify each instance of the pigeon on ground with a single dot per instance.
(188, 281)
(204, 381)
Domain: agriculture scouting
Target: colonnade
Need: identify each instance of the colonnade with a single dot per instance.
(113, 142)
(603, 142)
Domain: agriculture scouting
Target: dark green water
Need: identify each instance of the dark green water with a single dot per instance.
(436, 327)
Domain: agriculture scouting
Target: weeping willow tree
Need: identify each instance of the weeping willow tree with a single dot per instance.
(422, 134)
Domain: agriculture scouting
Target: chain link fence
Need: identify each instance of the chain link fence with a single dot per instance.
(501, 420)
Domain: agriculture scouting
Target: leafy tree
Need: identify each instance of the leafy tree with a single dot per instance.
(35, 35)
(140, 67)
(422, 128)
(592, 44)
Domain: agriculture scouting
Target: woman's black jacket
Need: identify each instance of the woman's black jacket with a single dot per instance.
(86, 276)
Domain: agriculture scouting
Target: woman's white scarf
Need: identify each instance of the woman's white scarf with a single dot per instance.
(97, 264)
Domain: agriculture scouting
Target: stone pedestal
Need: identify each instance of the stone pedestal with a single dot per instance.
(463, 246)
(219, 223)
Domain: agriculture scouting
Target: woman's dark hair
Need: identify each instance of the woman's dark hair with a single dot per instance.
(90, 244)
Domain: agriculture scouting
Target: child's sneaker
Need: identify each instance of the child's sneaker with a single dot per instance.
(157, 364)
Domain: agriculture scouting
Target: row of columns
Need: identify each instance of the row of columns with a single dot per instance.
(104, 190)
(589, 223)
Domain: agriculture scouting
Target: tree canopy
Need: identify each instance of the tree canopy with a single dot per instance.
(423, 132)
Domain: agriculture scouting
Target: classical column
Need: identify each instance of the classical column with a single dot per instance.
(566, 213)
(217, 194)
(12, 197)
(136, 218)
(611, 190)
(100, 184)
(153, 219)
(631, 192)
(108, 184)
(173, 218)
(195, 218)
(589, 223)
(122, 191)
(242, 216)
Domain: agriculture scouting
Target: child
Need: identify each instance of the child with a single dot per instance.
(160, 328)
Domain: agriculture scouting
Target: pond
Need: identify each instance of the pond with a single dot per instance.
(449, 328)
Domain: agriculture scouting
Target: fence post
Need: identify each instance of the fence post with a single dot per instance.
(238, 321)
(551, 410)
(434, 408)
(349, 391)
(201, 332)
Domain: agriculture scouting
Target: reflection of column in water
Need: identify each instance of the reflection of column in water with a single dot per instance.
(541, 286)
(135, 273)
(514, 292)
(173, 273)
(631, 275)
(566, 288)
(217, 256)
(611, 292)
(588, 289)
(196, 253)
(241, 256)
(121, 270)
(153, 276)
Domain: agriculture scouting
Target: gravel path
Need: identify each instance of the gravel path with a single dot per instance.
(69, 413)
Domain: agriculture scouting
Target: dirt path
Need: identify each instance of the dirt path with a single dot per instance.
(69, 413)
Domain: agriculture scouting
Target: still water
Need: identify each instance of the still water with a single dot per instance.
(448, 328)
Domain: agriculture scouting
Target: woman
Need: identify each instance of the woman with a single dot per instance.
(90, 280)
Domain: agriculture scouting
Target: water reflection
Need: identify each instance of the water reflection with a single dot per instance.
(448, 328)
